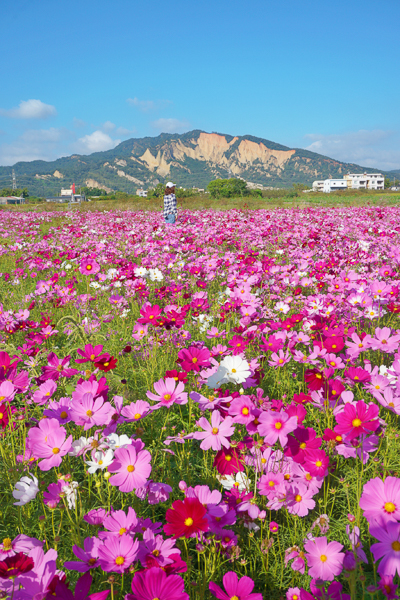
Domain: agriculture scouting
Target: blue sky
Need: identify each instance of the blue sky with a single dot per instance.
(80, 76)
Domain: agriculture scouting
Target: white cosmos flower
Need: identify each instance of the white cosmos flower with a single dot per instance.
(94, 285)
(156, 275)
(100, 461)
(239, 481)
(118, 441)
(25, 490)
(141, 272)
(70, 491)
(218, 378)
(78, 446)
(237, 369)
(282, 307)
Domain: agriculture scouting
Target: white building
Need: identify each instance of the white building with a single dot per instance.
(141, 193)
(318, 186)
(333, 185)
(366, 181)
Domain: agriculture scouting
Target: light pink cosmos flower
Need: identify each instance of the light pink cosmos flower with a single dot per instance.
(241, 410)
(276, 426)
(154, 549)
(132, 468)
(325, 561)
(299, 500)
(44, 393)
(90, 412)
(388, 548)
(57, 367)
(135, 410)
(168, 394)
(22, 543)
(48, 441)
(88, 557)
(380, 500)
(117, 554)
(280, 359)
(384, 341)
(118, 523)
(7, 391)
(215, 435)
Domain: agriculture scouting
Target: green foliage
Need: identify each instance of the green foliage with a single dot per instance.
(19, 192)
(157, 191)
(227, 188)
(92, 191)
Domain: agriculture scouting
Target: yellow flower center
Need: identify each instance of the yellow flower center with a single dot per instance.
(318, 463)
(89, 413)
(323, 558)
(271, 483)
(396, 546)
(263, 460)
(91, 561)
(64, 414)
(7, 544)
(356, 422)
(245, 411)
(100, 462)
(233, 370)
(167, 397)
(228, 457)
(298, 498)
(390, 507)
(130, 468)
(1, 415)
(309, 477)
(194, 359)
(119, 560)
(188, 522)
(214, 430)
(303, 445)
(278, 425)
(56, 450)
(234, 598)
(122, 530)
(137, 416)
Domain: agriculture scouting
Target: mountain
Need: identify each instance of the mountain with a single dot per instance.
(191, 159)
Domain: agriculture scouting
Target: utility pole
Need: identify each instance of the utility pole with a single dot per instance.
(14, 180)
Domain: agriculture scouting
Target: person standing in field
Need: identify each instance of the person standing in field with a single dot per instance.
(170, 210)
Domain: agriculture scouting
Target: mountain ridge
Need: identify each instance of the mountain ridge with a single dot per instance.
(191, 159)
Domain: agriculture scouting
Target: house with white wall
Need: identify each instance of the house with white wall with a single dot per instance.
(366, 181)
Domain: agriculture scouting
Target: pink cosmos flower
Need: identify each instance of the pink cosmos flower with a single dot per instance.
(303, 440)
(155, 583)
(194, 359)
(168, 394)
(276, 426)
(240, 589)
(241, 410)
(149, 314)
(118, 523)
(139, 331)
(154, 550)
(49, 441)
(272, 484)
(356, 420)
(388, 587)
(215, 435)
(95, 516)
(90, 412)
(22, 543)
(88, 558)
(44, 393)
(316, 462)
(89, 266)
(325, 560)
(380, 500)
(132, 468)
(135, 410)
(59, 410)
(158, 492)
(384, 341)
(91, 353)
(388, 548)
(118, 553)
(278, 360)
(57, 367)
(299, 500)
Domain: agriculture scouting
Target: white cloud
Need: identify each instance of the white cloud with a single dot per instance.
(35, 144)
(108, 126)
(78, 122)
(170, 125)
(97, 141)
(30, 109)
(148, 105)
(376, 148)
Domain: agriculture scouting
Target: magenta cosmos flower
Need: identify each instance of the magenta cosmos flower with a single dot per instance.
(48, 441)
(89, 266)
(132, 468)
(239, 589)
(356, 420)
(90, 412)
(215, 434)
(276, 426)
(194, 359)
(380, 500)
(155, 583)
(168, 394)
(325, 561)
(388, 548)
(118, 553)
(91, 353)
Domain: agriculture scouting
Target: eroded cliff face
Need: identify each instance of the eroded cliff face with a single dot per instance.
(213, 149)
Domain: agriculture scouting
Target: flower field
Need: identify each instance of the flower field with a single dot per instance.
(206, 410)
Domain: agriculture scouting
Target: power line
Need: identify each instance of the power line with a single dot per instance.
(14, 180)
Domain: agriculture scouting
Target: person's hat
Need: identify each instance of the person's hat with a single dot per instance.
(170, 184)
